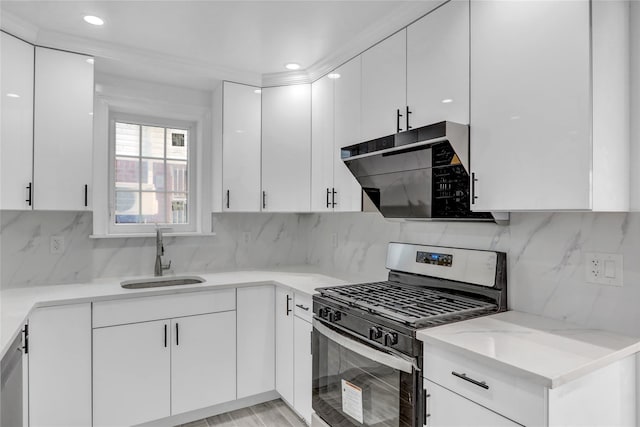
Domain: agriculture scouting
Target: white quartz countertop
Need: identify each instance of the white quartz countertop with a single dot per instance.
(547, 351)
(16, 304)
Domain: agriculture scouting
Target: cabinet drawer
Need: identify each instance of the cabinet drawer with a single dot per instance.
(303, 306)
(512, 396)
(117, 312)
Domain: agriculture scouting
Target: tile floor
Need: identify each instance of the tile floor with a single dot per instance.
(269, 414)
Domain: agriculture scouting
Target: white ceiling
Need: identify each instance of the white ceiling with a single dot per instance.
(197, 43)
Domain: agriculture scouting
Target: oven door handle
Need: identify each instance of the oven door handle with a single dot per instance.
(364, 350)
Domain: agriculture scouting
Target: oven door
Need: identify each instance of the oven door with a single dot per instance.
(355, 384)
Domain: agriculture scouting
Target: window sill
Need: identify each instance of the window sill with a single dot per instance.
(151, 235)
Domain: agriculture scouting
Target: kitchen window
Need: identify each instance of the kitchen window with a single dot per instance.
(151, 175)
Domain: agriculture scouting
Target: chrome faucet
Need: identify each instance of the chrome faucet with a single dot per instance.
(159, 254)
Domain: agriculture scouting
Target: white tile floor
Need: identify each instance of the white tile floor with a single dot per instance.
(269, 414)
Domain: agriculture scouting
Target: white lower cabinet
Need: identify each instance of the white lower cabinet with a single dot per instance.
(302, 359)
(284, 344)
(131, 373)
(256, 346)
(462, 392)
(59, 355)
(203, 361)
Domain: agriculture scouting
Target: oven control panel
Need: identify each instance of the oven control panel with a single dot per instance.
(433, 258)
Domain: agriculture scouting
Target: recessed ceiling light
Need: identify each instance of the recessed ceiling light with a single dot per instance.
(333, 75)
(447, 101)
(292, 66)
(257, 91)
(93, 20)
(90, 60)
(13, 95)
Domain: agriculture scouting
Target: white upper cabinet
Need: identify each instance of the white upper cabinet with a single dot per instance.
(384, 81)
(322, 144)
(16, 150)
(549, 105)
(241, 148)
(438, 66)
(347, 131)
(286, 148)
(63, 130)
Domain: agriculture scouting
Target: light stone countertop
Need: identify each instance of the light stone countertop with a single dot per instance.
(547, 351)
(16, 304)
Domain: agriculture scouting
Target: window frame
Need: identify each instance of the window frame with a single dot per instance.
(192, 173)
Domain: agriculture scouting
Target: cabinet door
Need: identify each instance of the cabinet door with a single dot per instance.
(286, 148)
(384, 86)
(131, 373)
(302, 362)
(284, 344)
(530, 105)
(241, 148)
(63, 130)
(256, 339)
(446, 408)
(322, 145)
(203, 361)
(60, 366)
(16, 133)
(438, 66)
(347, 108)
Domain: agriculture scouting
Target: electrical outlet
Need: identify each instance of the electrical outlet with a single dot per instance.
(56, 244)
(334, 240)
(246, 237)
(603, 269)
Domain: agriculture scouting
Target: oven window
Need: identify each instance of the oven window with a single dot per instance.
(350, 389)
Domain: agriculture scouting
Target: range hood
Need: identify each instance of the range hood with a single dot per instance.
(422, 173)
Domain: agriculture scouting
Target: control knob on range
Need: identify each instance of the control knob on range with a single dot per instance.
(375, 332)
(390, 338)
(334, 316)
(323, 312)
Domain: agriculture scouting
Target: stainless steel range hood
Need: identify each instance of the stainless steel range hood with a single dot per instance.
(422, 173)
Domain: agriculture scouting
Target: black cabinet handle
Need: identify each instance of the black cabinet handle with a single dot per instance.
(407, 115)
(302, 307)
(28, 200)
(288, 301)
(165, 335)
(228, 199)
(177, 334)
(264, 200)
(426, 405)
(333, 198)
(86, 195)
(471, 380)
(398, 115)
(328, 192)
(473, 188)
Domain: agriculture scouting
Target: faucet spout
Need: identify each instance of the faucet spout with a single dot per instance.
(160, 267)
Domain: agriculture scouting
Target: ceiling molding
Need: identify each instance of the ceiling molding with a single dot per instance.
(18, 27)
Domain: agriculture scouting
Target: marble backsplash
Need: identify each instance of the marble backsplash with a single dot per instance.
(545, 252)
(27, 261)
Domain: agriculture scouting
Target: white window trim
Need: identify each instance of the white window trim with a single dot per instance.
(193, 226)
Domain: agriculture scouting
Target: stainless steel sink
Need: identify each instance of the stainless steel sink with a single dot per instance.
(157, 282)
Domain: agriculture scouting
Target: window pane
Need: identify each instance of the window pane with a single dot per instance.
(154, 208)
(153, 177)
(178, 213)
(127, 173)
(177, 176)
(177, 144)
(152, 141)
(127, 139)
(127, 207)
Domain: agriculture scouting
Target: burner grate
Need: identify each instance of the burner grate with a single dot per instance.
(413, 305)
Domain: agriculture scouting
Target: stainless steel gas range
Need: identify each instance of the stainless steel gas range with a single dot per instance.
(367, 362)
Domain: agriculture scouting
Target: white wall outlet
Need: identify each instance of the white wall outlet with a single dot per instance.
(246, 237)
(334, 240)
(56, 244)
(603, 269)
